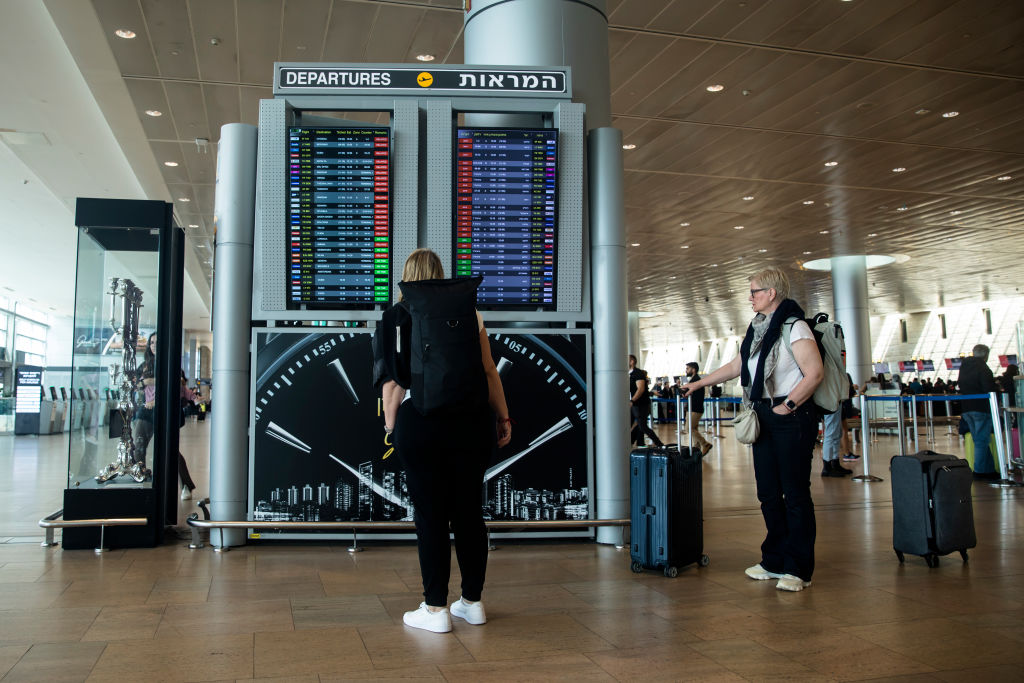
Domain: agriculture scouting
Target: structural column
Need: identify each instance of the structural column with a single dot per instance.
(850, 298)
(235, 211)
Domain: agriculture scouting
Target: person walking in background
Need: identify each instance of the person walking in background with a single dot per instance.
(779, 385)
(696, 405)
(640, 405)
(445, 455)
(976, 378)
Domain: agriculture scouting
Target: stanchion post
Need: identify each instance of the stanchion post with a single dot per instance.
(997, 428)
(899, 426)
(679, 404)
(949, 416)
(929, 416)
(865, 446)
(689, 429)
(913, 417)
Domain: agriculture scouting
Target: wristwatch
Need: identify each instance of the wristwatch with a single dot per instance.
(790, 404)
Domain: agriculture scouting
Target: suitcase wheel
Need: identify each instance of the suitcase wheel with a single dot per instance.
(899, 556)
(704, 561)
(636, 567)
(671, 572)
(932, 559)
(963, 554)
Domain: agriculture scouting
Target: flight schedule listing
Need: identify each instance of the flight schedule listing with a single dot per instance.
(505, 203)
(339, 220)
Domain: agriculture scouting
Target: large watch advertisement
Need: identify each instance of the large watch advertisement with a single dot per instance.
(318, 450)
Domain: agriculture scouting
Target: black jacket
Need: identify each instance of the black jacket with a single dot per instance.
(976, 378)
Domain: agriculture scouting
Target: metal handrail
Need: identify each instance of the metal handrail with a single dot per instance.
(53, 521)
(355, 526)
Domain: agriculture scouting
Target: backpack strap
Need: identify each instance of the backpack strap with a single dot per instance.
(786, 336)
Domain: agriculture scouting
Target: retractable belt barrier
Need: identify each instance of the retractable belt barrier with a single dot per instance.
(1002, 435)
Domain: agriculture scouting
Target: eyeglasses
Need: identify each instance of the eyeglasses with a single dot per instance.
(762, 289)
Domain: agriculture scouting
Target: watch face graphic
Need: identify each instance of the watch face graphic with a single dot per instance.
(320, 452)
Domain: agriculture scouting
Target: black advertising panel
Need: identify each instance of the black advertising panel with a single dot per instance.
(339, 218)
(328, 459)
(506, 214)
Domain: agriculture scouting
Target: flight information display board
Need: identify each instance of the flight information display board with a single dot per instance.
(339, 218)
(505, 214)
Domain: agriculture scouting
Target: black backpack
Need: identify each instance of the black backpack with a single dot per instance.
(445, 367)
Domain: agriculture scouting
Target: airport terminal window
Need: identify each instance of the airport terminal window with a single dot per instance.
(30, 336)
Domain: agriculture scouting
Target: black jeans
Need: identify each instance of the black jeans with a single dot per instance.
(782, 468)
(639, 415)
(445, 458)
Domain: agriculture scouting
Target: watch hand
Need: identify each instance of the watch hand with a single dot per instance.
(276, 431)
(343, 377)
(377, 488)
(562, 425)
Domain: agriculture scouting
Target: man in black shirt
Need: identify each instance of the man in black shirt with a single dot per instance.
(640, 405)
(696, 409)
(976, 378)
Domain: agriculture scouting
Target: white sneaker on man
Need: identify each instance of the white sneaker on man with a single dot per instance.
(471, 612)
(792, 583)
(759, 573)
(438, 622)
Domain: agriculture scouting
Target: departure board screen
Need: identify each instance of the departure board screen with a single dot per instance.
(505, 214)
(339, 218)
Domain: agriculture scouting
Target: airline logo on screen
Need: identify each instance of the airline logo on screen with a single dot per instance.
(295, 79)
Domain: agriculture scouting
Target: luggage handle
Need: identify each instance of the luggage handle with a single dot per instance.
(649, 510)
(689, 424)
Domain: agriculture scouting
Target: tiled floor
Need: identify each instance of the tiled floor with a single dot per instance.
(558, 611)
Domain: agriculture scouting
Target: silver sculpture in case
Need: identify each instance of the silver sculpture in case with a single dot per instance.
(125, 378)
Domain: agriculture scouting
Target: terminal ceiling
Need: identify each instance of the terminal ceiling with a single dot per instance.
(806, 82)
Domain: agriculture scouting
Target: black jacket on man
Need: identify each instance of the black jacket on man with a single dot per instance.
(976, 378)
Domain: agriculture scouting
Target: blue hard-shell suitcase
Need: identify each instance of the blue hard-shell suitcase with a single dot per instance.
(666, 509)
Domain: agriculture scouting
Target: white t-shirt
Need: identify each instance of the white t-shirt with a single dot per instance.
(787, 373)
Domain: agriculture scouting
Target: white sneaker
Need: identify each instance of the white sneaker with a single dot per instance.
(438, 622)
(759, 573)
(472, 613)
(186, 493)
(792, 583)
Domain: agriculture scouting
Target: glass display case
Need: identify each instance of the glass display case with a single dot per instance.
(123, 405)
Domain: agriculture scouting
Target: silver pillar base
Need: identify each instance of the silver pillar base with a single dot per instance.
(100, 551)
(355, 549)
(196, 546)
(222, 549)
(866, 478)
(1005, 483)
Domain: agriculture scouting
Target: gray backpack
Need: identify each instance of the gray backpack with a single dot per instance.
(828, 335)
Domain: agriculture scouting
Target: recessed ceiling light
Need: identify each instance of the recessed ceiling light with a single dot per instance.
(922, 112)
(715, 88)
(823, 232)
(172, 164)
(950, 114)
(872, 234)
(671, 277)
(685, 246)
(425, 58)
(714, 265)
(193, 225)
(762, 251)
(955, 212)
(685, 225)
(830, 164)
(899, 169)
(184, 199)
(901, 208)
(808, 202)
(806, 253)
(1005, 177)
(737, 227)
(639, 287)
(124, 33)
(629, 146)
(635, 244)
(154, 112)
(748, 198)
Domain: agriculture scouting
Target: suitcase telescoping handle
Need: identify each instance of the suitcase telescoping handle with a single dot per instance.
(689, 425)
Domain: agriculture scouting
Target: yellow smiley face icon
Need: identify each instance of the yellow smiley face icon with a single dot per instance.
(425, 79)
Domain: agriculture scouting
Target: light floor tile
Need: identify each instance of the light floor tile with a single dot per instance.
(209, 658)
(311, 651)
(63, 662)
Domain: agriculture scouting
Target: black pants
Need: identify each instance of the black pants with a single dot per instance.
(639, 415)
(782, 467)
(445, 458)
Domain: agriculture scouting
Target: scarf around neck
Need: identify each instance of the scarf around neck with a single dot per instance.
(764, 334)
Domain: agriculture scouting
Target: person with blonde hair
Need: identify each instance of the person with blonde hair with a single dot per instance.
(779, 385)
(445, 455)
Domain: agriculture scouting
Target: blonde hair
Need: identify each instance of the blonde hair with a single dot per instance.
(422, 264)
(773, 278)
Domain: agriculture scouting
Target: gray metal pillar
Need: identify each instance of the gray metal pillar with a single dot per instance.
(850, 298)
(235, 213)
(544, 33)
(193, 349)
(608, 292)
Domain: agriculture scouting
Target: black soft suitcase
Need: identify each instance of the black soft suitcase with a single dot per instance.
(932, 513)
